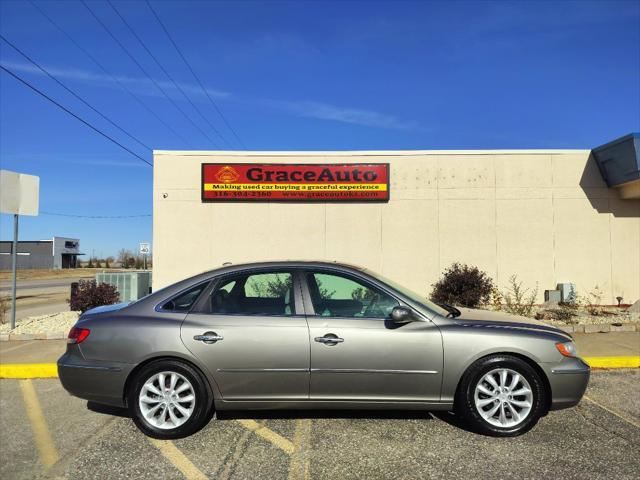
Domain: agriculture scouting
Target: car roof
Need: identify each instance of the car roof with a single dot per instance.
(282, 263)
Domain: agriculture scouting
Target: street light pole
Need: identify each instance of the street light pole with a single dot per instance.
(14, 268)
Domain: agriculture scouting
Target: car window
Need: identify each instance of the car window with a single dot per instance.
(183, 302)
(335, 295)
(269, 293)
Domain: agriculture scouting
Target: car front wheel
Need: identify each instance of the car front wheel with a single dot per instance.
(169, 400)
(501, 395)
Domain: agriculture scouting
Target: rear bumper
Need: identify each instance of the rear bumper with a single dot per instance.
(98, 382)
(568, 381)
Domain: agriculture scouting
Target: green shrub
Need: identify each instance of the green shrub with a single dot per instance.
(463, 285)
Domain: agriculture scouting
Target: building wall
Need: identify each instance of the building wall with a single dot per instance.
(64, 246)
(40, 255)
(546, 216)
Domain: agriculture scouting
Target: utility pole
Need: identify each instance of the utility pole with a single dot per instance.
(14, 270)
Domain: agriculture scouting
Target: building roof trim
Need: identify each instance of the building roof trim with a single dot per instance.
(354, 153)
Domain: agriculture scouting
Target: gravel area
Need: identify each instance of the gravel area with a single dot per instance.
(583, 318)
(58, 322)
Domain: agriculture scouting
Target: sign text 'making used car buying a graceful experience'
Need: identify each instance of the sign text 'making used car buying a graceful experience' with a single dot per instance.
(350, 182)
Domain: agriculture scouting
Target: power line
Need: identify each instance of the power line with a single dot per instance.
(106, 72)
(52, 77)
(224, 119)
(95, 216)
(175, 84)
(39, 92)
(104, 26)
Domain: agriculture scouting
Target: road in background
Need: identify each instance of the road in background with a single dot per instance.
(40, 297)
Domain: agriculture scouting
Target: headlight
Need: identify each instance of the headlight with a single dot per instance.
(568, 349)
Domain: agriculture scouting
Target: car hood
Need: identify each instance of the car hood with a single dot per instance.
(487, 318)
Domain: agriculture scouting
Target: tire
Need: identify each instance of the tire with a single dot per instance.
(492, 409)
(175, 413)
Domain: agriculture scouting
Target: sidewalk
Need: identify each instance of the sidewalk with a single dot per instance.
(600, 350)
(607, 344)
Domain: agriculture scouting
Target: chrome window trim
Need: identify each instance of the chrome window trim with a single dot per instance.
(159, 306)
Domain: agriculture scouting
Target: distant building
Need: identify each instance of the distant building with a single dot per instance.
(59, 252)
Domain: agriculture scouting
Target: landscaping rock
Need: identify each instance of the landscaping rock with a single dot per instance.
(42, 324)
(624, 327)
(602, 328)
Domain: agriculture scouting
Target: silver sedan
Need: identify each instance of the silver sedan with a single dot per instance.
(315, 335)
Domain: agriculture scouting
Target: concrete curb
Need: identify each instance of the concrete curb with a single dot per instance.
(5, 337)
(28, 370)
(600, 328)
(631, 361)
(50, 370)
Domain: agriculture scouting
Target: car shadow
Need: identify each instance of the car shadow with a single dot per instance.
(322, 414)
(454, 420)
(108, 410)
(447, 417)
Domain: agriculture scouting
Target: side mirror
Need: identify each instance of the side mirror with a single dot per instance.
(402, 315)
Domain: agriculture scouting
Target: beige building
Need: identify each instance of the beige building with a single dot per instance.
(546, 215)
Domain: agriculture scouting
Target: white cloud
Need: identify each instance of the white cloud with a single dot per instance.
(356, 116)
(139, 85)
(302, 108)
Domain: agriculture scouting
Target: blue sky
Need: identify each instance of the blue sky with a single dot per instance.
(300, 76)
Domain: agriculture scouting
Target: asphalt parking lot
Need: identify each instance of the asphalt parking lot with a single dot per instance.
(46, 433)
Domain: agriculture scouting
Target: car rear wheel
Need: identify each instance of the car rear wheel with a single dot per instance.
(501, 395)
(169, 400)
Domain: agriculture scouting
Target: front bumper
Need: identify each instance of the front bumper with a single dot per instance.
(568, 381)
(95, 381)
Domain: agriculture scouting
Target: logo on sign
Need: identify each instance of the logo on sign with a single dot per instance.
(227, 174)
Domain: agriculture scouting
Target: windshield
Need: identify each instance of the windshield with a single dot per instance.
(413, 296)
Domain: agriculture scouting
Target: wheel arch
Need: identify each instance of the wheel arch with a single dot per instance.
(528, 360)
(132, 375)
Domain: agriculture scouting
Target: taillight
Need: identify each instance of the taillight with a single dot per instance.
(78, 335)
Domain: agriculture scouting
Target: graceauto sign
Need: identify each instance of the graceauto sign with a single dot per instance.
(277, 182)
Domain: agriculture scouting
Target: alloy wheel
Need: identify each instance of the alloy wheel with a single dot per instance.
(503, 397)
(167, 400)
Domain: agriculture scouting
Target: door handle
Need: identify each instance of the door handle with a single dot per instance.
(208, 337)
(329, 339)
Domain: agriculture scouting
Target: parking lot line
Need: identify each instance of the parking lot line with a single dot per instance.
(44, 442)
(238, 451)
(619, 415)
(178, 459)
(629, 361)
(299, 468)
(28, 370)
(269, 435)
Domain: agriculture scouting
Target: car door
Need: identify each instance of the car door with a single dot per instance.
(251, 333)
(357, 353)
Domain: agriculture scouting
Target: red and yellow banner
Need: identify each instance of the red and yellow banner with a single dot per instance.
(350, 182)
